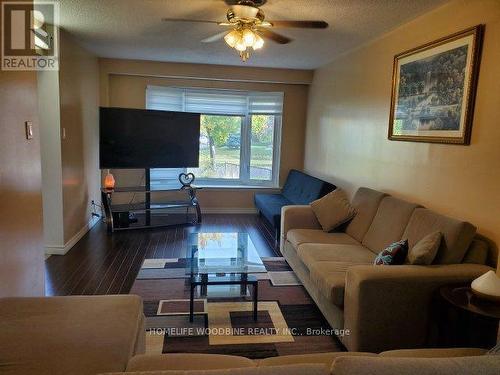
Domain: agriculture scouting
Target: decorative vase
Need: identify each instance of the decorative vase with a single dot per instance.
(109, 181)
(487, 286)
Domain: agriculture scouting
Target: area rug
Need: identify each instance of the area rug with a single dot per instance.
(288, 320)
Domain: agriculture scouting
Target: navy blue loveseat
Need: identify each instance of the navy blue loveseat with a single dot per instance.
(299, 188)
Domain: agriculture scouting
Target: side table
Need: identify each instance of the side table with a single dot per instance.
(466, 320)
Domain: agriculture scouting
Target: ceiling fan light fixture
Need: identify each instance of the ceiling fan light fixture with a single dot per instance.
(232, 38)
(247, 22)
(259, 42)
(245, 11)
(249, 37)
(240, 45)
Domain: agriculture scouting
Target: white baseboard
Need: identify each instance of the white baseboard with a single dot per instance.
(228, 210)
(61, 250)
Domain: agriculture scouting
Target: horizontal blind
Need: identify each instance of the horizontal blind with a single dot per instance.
(165, 99)
(270, 103)
(214, 101)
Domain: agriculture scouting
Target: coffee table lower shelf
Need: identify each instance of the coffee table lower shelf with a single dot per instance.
(203, 280)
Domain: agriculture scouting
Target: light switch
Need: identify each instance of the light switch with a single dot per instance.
(63, 131)
(29, 129)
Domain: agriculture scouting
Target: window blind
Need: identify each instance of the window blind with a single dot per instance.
(214, 101)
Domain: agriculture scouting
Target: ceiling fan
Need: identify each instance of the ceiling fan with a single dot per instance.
(248, 27)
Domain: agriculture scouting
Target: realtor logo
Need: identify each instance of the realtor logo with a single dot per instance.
(29, 35)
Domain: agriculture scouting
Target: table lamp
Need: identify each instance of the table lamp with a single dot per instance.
(487, 286)
(109, 181)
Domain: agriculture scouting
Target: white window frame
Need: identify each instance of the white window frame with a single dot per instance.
(244, 179)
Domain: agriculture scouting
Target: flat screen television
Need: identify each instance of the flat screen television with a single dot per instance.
(138, 138)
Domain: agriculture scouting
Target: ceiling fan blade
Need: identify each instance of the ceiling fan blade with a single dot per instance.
(188, 20)
(301, 24)
(214, 38)
(275, 37)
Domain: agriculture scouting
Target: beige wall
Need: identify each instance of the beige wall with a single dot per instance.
(49, 117)
(79, 101)
(21, 239)
(349, 113)
(124, 82)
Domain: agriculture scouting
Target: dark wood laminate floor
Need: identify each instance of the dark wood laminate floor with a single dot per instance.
(101, 263)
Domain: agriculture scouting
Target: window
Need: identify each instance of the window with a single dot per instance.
(220, 147)
(240, 134)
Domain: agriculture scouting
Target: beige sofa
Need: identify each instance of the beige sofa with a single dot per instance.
(81, 335)
(105, 334)
(399, 362)
(379, 307)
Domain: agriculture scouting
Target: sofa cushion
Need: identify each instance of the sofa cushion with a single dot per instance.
(300, 188)
(477, 253)
(325, 358)
(299, 369)
(270, 206)
(300, 236)
(68, 335)
(311, 253)
(191, 361)
(457, 235)
(329, 279)
(388, 224)
(333, 210)
(365, 202)
(434, 353)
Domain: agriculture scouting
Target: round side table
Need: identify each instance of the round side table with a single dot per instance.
(467, 320)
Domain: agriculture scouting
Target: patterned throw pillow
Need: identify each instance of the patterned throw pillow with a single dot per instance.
(394, 254)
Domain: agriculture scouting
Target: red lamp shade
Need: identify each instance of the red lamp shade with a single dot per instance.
(109, 181)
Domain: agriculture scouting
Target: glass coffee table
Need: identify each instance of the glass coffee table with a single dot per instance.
(222, 259)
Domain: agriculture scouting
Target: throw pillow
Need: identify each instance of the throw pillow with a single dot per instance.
(394, 254)
(333, 210)
(425, 250)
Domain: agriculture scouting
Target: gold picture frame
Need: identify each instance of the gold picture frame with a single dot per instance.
(434, 89)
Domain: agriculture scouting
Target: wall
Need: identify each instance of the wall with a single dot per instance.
(50, 150)
(69, 116)
(349, 113)
(21, 239)
(124, 82)
(79, 116)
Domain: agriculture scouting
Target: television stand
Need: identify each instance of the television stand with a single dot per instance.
(147, 214)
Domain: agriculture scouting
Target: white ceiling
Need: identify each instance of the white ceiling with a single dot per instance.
(133, 29)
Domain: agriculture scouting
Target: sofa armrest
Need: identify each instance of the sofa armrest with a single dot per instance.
(484, 365)
(434, 353)
(297, 217)
(389, 307)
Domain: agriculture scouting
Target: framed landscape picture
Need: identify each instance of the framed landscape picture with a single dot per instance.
(433, 90)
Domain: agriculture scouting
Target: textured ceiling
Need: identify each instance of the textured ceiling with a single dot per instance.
(133, 29)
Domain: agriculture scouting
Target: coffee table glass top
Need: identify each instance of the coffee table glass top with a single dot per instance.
(221, 253)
